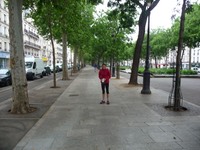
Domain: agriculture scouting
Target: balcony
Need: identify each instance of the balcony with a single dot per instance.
(4, 35)
(32, 45)
(29, 33)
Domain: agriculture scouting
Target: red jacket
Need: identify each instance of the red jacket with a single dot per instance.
(104, 73)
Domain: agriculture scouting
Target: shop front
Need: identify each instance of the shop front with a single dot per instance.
(4, 59)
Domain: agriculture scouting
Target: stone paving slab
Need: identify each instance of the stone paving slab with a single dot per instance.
(13, 127)
(76, 121)
(192, 110)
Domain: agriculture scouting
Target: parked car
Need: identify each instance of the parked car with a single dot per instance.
(196, 69)
(34, 67)
(128, 71)
(69, 65)
(5, 77)
(56, 68)
(47, 71)
(59, 66)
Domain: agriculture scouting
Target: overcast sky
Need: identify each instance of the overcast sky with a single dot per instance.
(160, 15)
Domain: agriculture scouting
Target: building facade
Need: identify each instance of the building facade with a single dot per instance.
(4, 36)
(34, 44)
(195, 57)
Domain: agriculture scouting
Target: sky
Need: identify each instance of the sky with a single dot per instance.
(160, 15)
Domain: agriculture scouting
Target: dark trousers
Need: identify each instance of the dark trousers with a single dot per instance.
(105, 86)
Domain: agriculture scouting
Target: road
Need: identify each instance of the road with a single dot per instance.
(189, 87)
(6, 92)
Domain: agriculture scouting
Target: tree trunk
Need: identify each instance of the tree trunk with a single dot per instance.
(117, 71)
(53, 47)
(80, 59)
(75, 59)
(82, 62)
(190, 58)
(177, 92)
(64, 66)
(138, 47)
(54, 63)
(156, 62)
(20, 99)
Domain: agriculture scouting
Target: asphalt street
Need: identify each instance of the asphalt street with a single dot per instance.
(189, 86)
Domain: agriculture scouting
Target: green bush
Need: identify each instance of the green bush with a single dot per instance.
(141, 70)
(188, 72)
(167, 71)
(124, 67)
(170, 71)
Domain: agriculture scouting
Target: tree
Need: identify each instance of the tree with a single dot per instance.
(191, 32)
(192, 29)
(43, 14)
(141, 23)
(160, 43)
(177, 92)
(20, 102)
(127, 11)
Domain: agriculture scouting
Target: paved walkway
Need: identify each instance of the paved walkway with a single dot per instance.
(76, 121)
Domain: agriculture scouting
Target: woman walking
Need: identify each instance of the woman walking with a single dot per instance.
(104, 76)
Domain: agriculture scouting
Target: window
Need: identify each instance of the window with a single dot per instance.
(5, 18)
(34, 65)
(5, 46)
(4, 31)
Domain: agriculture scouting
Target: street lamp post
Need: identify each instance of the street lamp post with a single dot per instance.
(146, 74)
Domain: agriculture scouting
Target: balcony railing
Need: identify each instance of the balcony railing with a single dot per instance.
(33, 45)
(29, 33)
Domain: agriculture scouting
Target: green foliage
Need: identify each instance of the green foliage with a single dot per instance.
(166, 71)
(171, 71)
(108, 39)
(188, 72)
(126, 10)
(124, 67)
(141, 70)
(192, 28)
(94, 2)
(162, 71)
(160, 43)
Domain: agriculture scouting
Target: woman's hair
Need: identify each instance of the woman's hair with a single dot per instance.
(103, 64)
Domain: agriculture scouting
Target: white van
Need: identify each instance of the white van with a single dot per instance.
(34, 67)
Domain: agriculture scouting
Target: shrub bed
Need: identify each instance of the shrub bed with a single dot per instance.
(162, 71)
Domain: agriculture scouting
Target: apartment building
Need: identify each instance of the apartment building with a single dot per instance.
(195, 57)
(32, 40)
(4, 36)
(34, 44)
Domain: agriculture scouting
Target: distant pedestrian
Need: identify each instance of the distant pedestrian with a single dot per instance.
(95, 67)
(104, 76)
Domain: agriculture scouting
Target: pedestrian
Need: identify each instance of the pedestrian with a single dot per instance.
(95, 67)
(104, 76)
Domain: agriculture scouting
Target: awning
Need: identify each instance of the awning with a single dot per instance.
(45, 59)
